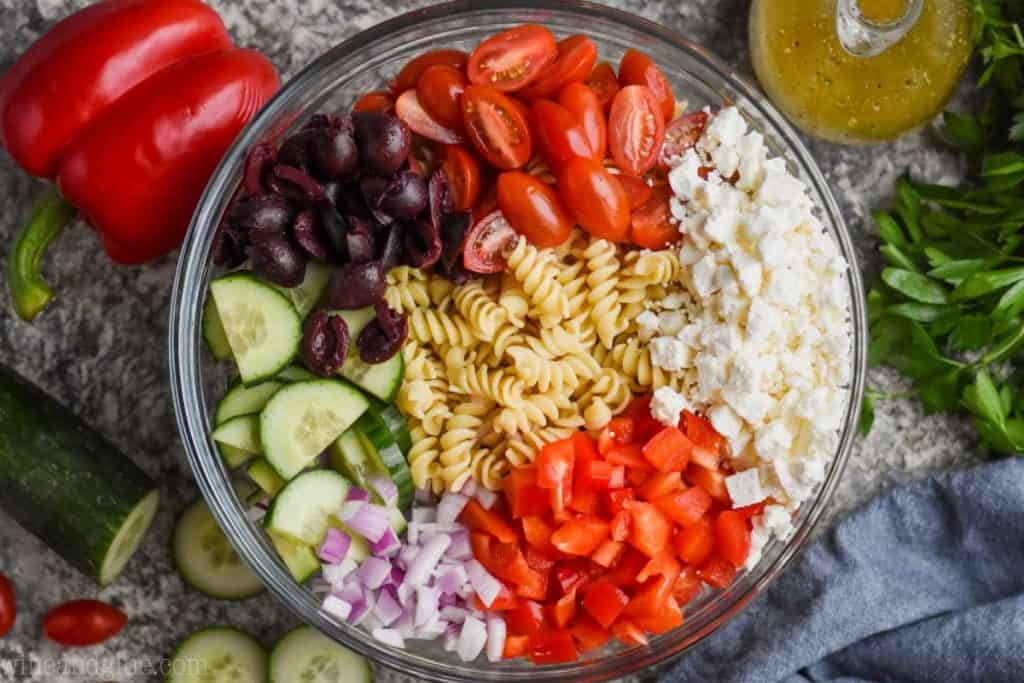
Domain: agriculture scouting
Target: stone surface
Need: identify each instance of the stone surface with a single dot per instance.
(102, 349)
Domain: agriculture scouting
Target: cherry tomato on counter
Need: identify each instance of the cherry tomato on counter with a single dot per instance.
(463, 173)
(595, 198)
(560, 135)
(604, 83)
(583, 104)
(8, 606)
(497, 128)
(636, 68)
(410, 74)
(636, 129)
(439, 90)
(81, 623)
(576, 57)
(533, 209)
(512, 59)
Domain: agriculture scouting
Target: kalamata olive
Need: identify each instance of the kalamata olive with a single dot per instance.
(440, 197)
(263, 212)
(384, 336)
(333, 227)
(229, 246)
(279, 262)
(406, 196)
(257, 165)
(306, 233)
(325, 342)
(422, 243)
(359, 241)
(294, 184)
(383, 141)
(355, 285)
(296, 150)
(454, 226)
(348, 197)
(391, 251)
(373, 187)
(334, 153)
(327, 120)
(458, 275)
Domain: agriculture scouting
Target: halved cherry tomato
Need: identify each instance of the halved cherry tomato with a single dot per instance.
(439, 89)
(668, 450)
(8, 606)
(580, 536)
(410, 74)
(589, 634)
(553, 647)
(636, 130)
(487, 242)
(487, 201)
(576, 57)
(477, 517)
(515, 646)
(496, 126)
(595, 198)
(526, 619)
(81, 623)
(636, 68)
(512, 59)
(411, 111)
(560, 135)
(651, 224)
(694, 543)
(533, 209)
(685, 507)
(584, 105)
(374, 101)
(732, 537)
(637, 191)
(604, 83)
(463, 173)
(681, 135)
(660, 484)
(717, 572)
(651, 530)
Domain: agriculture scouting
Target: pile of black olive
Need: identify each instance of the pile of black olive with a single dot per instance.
(344, 191)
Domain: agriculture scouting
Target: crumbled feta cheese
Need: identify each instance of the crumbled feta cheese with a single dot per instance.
(725, 421)
(724, 279)
(751, 406)
(647, 325)
(669, 353)
(721, 226)
(673, 301)
(776, 519)
(744, 488)
(712, 372)
(762, 319)
(773, 440)
(670, 322)
(784, 288)
(667, 406)
(749, 271)
(703, 273)
(772, 249)
(685, 179)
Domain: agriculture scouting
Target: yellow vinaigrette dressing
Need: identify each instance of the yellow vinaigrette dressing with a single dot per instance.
(860, 70)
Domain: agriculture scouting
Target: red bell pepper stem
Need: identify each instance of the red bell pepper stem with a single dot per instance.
(29, 291)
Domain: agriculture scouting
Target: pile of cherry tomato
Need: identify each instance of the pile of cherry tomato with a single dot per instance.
(610, 537)
(535, 136)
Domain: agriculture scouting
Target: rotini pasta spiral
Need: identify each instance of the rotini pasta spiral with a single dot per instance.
(406, 289)
(499, 386)
(610, 387)
(431, 326)
(634, 361)
(534, 411)
(489, 467)
(423, 460)
(546, 375)
(539, 278)
(477, 307)
(458, 442)
(602, 269)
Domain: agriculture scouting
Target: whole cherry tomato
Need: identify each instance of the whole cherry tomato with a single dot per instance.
(439, 90)
(651, 224)
(463, 173)
(533, 209)
(411, 111)
(8, 606)
(636, 130)
(681, 135)
(576, 57)
(604, 83)
(81, 623)
(487, 243)
(636, 68)
(586, 107)
(374, 101)
(595, 198)
(637, 190)
(512, 59)
(560, 135)
(496, 127)
(410, 74)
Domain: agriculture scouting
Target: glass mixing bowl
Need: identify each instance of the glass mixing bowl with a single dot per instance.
(366, 62)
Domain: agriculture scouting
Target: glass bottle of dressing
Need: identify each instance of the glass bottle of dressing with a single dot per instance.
(860, 70)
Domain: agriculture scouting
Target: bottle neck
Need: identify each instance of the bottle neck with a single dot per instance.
(863, 37)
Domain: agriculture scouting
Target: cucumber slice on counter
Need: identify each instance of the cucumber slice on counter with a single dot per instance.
(219, 655)
(243, 400)
(295, 373)
(303, 419)
(306, 295)
(265, 476)
(205, 559)
(300, 559)
(384, 457)
(303, 508)
(396, 423)
(305, 654)
(262, 326)
(213, 332)
(382, 380)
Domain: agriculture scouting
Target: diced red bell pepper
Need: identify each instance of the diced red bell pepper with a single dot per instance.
(662, 564)
(617, 499)
(668, 450)
(652, 595)
(537, 533)
(629, 633)
(584, 447)
(515, 646)
(572, 574)
(526, 619)
(477, 517)
(607, 553)
(688, 586)
(636, 476)
(504, 560)
(580, 536)
(711, 480)
(694, 543)
(585, 502)
(589, 634)
(717, 572)
(624, 573)
(621, 525)
(700, 431)
(554, 646)
(538, 561)
(685, 507)
(618, 432)
(704, 457)
(562, 611)
(645, 426)
(596, 476)
(554, 472)
(732, 537)
(504, 602)
(651, 530)
(660, 485)
(534, 586)
(630, 455)
(525, 498)
(604, 602)
(668, 617)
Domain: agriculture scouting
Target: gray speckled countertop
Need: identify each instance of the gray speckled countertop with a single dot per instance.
(102, 348)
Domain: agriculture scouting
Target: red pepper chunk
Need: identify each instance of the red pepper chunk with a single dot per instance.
(618, 432)
(526, 619)
(537, 533)
(659, 485)
(580, 536)
(477, 517)
(554, 472)
(629, 633)
(604, 602)
(555, 646)
(668, 450)
(524, 497)
(668, 617)
(717, 572)
(694, 543)
(589, 634)
(685, 507)
(515, 646)
(562, 611)
(607, 553)
(732, 537)
(651, 530)
(571, 574)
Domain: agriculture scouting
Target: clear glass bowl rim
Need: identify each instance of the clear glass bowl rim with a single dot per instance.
(184, 348)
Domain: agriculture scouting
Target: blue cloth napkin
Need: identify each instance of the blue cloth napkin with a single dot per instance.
(925, 583)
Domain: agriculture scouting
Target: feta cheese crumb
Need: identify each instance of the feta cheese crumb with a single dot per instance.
(669, 353)
(667, 405)
(744, 488)
(725, 421)
(647, 325)
(773, 440)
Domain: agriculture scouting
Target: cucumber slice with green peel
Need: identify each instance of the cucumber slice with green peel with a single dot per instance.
(303, 508)
(219, 655)
(242, 432)
(384, 456)
(127, 537)
(213, 332)
(305, 654)
(262, 326)
(314, 284)
(304, 418)
(396, 422)
(206, 560)
(233, 456)
(398, 522)
(300, 559)
(295, 373)
(265, 476)
(243, 400)
(348, 456)
(382, 380)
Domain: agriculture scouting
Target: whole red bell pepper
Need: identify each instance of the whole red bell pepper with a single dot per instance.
(128, 105)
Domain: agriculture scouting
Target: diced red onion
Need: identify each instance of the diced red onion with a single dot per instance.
(469, 488)
(450, 506)
(373, 572)
(426, 604)
(388, 545)
(486, 586)
(456, 615)
(366, 519)
(389, 636)
(405, 593)
(451, 640)
(334, 549)
(447, 600)
(370, 621)
(337, 607)
(495, 638)
(487, 499)
(335, 574)
(431, 631)
(471, 639)
(422, 567)
(358, 495)
(424, 514)
(451, 578)
(404, 625)
(407, 554)
(385, 488)
(361, 609)
(397, 577)
(351, 594)
(460, 549)
(387, 610)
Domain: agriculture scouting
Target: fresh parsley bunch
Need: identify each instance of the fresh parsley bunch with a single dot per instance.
(947, 311)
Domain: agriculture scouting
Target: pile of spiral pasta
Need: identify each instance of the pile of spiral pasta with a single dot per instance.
(500, 366)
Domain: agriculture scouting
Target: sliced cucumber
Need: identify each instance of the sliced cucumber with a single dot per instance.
(243, 400)
(295, 373)
(303, 508)
(348, 456)
(307, 294)
(242, 432)
(206, 560)
(359, 548)
(265, 476)
(384, 456)
(213, 332)
(218, 655)
(300, 559)
(262, 326)
(234, 457)
(304, 418)
(396, 422)
(383, 380)
(398, 522)
(305, 654)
